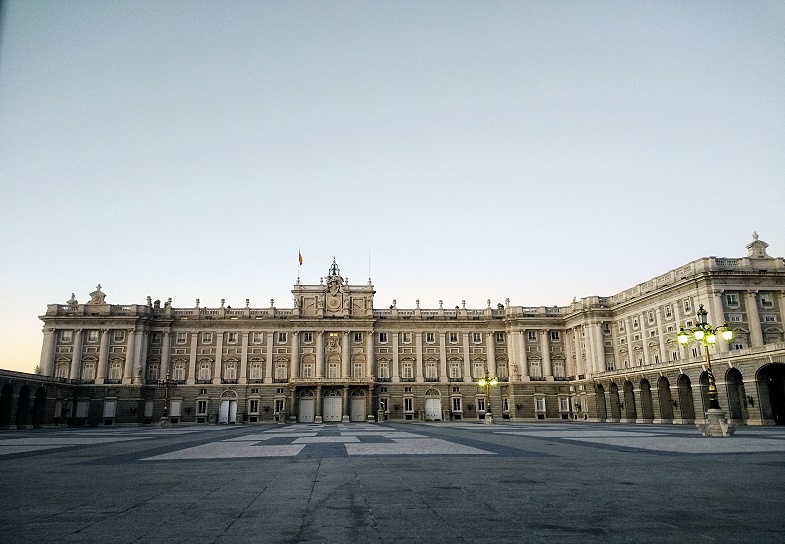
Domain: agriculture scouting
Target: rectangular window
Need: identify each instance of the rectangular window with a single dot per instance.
(675, 355)
(358, 338)
(540, 403)
(651, 318)
(406, 337)
(66, 336)
(119, 336)
(505, 404)
(453, 338)
(532, 336)
(382, 337)
(555, 336)
(635, 322)
(499, 337)
(257, 338)
(407, 371)
(253, 406)
(606, 328)
(687, 306)
(282, 336)
(456, 404)
(766, 300)
(430, 337)
(455, 370)
(231, 338)
(769, 319)
(358, 370)
(621, 326)
(481, 404)
(307, 371)
(476, 337)
(668, 311)
(207, 338)
(408, 404)
(92, 336)
(182, 337)
(731, 299)
(308, 338)
(279, 405)
(564, 404)
(201, 407)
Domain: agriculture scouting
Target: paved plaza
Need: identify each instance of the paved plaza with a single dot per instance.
(402, 482)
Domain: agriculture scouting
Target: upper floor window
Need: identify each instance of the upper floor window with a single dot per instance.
(406, 337)
(606, 328)
(499, 337)
(119, 336)
(207, 338)
(687, 306)
(555, 336)
(532, 336)
(651, 317)
(621, 326)
(282, 336)
(430, 337)
(668, 311)
(732, 299)
(181, 338)
(382, 337)
(66, 336)
(308, 337)
(257, 338)
(766, 300)
(155, 338)
(358, 337)
(231, 337)
(453, 338)
(635, 322)
(476, 337)
(92, 336)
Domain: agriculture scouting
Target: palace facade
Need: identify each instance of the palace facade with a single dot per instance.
(334, 357)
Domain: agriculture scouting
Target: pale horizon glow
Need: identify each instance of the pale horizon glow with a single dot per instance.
(536, 151)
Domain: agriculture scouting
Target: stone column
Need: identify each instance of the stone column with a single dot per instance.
(130, 356)
(166, 355)
(191, 376)
(46, 365)
(524, 360)
(512, 356)
(396, 370)
(370, 356)
(294, 369)
(645, 345)
(268, 361)
(599, 356)
(717, 318)
(345, 357)
(103, 357)
(576, 346)
(491, 348)
(219, 355)
(467, 366)
(661, 336)
(141, 368)
(76, 356)
(570, 361)
(753, 317)
(243, 377)
(588, 347)
(418, 377)
(443, 377)
(630, 351)
(318, 415)
(545, 347)
(320, 354)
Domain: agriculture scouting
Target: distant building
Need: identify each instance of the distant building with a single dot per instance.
(334, 357)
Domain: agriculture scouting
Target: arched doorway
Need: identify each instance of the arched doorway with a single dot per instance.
(704, 387)
(23, 407)
(39, 408)
(227, 412)
(771, 393)
(6, 405)
(357, 406)
(737, 403)
(686, 403)
(664, 397)
(630, 411)
(602, 413)
(332, 406)
(615, 403)
(307, 408)
(647, 406)
(433, 405)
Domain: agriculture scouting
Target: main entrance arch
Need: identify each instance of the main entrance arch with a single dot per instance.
(433, 405)
(737, 403)
(771, 393)
(332, 406)
(307, 407)
(357, 406)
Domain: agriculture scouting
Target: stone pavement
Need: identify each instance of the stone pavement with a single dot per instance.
(392, 482)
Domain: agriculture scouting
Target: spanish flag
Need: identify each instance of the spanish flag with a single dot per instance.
(300, 257)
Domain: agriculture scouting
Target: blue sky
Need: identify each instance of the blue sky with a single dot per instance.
(476, 150)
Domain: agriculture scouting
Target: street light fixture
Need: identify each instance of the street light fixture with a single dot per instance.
(706, 334)
(487, 381)
(166, 385)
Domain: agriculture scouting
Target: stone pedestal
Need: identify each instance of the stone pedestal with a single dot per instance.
(716, 425)
(488, 419)
(164, 422)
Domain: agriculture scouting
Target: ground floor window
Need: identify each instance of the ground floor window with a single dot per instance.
(201, 407)
(456, 404)
(279, 405)
(408, 404)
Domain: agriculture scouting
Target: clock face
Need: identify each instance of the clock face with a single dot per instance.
(333, 303)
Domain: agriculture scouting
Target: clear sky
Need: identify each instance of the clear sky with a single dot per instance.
(476, 150)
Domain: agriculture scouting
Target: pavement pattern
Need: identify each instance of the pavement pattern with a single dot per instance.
(392, 482)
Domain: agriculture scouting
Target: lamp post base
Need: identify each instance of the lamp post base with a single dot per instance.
(164, 422)
(488, 419)
(716, 424)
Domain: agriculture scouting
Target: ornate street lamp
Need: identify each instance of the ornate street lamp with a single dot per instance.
(487, 382)
(166, 385)
(706, 334)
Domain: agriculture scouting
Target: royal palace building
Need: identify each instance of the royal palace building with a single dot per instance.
(333, 356)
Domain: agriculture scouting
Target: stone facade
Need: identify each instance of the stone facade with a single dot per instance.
(333, 357)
